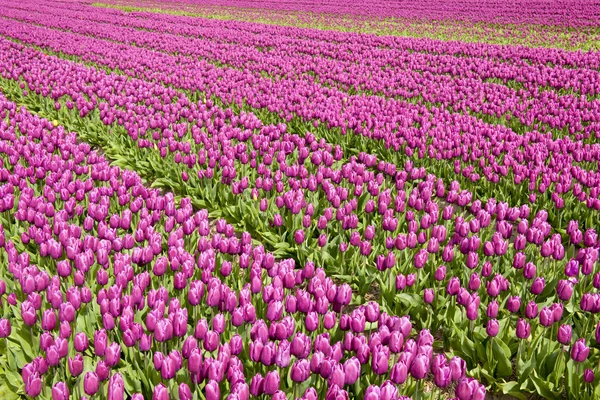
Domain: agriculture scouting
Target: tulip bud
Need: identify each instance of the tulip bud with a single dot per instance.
(300, 371)
(116, 388)
(579, 351)
(531, 311)
(492, 328)
(60, 391)
(564, 290)
(564, 334)
(428, 296)
(523, 329)
(5, 328)
(160, 392)
(513, 304)
(420, 366)
(458, 368)
(212, 390)
(91, 383)
(76, 365)
(271, 382)
(588, 375)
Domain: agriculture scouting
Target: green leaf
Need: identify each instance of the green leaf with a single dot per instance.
(512, 389)
(132, 382)
(525, 368)
(543, 388)
(573, 379)
(17, 348)
(502, 355)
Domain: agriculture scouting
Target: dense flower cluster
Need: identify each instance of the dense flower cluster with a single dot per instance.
(342, 215)
(105, 274)
(503, 134)
(569, 25)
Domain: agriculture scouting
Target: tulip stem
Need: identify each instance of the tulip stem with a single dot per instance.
(7, 350)
(77, 390)
(519, 353)
(417, 390)
(560, 356)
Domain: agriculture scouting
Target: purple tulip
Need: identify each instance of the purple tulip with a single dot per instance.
(458, 368)
(33, 385)
(299, 236)
(420, 366)
(492, 328)
(579, 351)
(380, 360)
(564, 290)
(531, 310)
(76, 365)
(470, 389)
(428, 296)
(102, 370)
(81, 342)
(271, 383)
(564, 334)
(537, 286)
(352, 370)
(100, 342)
(212, 390)
(5, 328)
(399, 373)
(523, 329)
(60, 391)
(588, 375)
(91, 383)
(440, 273)
(113, 354)
(513, 304)
(160, 392)
(116, 388)
(300, 371)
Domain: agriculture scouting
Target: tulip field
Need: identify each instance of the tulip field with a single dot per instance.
(232, 199)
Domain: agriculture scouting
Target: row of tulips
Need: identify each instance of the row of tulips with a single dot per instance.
(569, 13)
(245, 46)
(104, 274)
(532, 174)
(477, 29)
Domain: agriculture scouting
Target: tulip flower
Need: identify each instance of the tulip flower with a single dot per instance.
(469, 389)
(160, 392)
(60, 391)
(523, 329)
(91, 383)
(116, 388)
(420, 366)
(300, 371)
(492, 327)
(588, 375)
(5, 328)
(399, 373)
(33, 385)
(579, 351)
(212, 390)
(564, 334)
(76, 365)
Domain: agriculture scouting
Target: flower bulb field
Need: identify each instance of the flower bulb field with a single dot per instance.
(300, 199)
